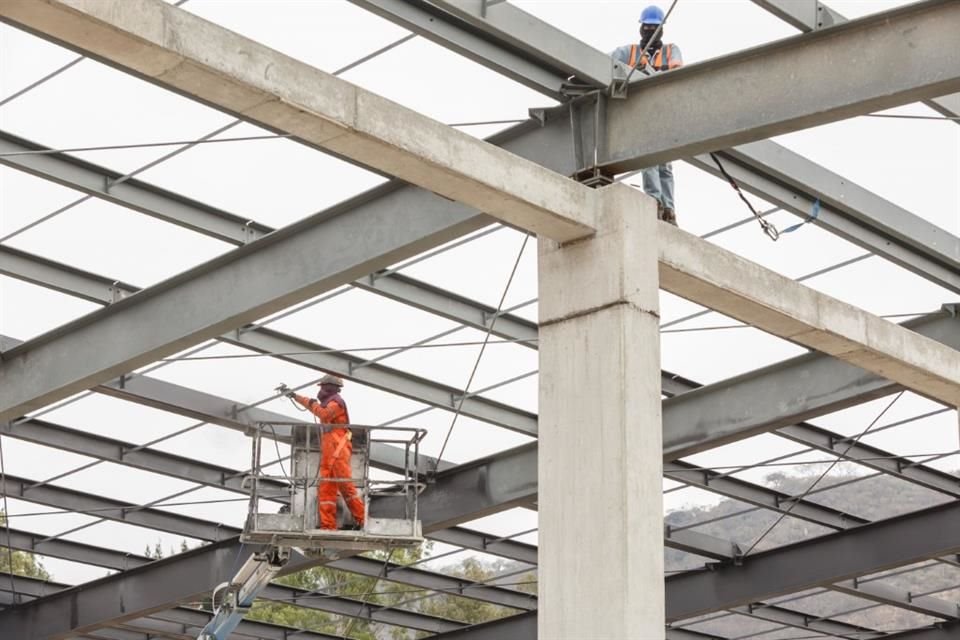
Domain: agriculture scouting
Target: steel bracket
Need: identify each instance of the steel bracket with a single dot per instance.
(588, 124)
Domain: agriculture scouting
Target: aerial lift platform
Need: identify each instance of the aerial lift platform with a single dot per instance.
(283, 512)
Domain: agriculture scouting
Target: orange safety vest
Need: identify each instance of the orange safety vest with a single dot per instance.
(661, 61)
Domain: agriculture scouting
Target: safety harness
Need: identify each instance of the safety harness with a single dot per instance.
(661, 60)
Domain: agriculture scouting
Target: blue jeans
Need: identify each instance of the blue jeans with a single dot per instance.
(658, 183)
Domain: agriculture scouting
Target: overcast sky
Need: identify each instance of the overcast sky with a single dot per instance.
(913, 163)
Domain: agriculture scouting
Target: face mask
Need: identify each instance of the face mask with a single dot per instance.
(645, 34)
(327, 391)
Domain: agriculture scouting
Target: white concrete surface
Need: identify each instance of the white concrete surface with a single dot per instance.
(600, 446)
(719, 279)
(182, 51)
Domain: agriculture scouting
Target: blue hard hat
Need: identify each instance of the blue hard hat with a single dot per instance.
(652, 15)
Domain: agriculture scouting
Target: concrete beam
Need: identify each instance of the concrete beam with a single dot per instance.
(787, 85)
(186, 53)
(723, 281)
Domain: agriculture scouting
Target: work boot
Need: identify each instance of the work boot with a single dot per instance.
(659, 210)
(670, 217)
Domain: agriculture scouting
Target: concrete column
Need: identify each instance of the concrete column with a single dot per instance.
(600, 441)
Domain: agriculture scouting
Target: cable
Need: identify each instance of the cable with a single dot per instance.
(482, 123)
(274, 354)
(430, 254)
(747, 326)
(49, 76)
(652, 39)
(40, 220)
(803, 278)
(831, 487)
(738, 223)
(801, 463)
(276, 446)
(56, 72)
(142, 145)
(767, 227)
(909, 117)
(486, 339)
(819, 591)
(373, 587)
(199, 424)
(126, 507)
(189, 143)
(6, 513)
(824, 474)
(455, 591)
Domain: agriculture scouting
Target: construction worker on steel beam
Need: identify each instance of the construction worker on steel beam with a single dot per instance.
(336, 449)
(652, 55)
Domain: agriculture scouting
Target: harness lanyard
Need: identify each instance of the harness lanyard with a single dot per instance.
(767, 227)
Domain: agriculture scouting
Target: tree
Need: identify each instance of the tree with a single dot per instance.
(335, 582)
(156, 552)
(23, 563)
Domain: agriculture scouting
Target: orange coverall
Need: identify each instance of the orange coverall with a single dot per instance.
(334, 461)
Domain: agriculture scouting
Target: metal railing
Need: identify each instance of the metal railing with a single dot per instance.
(300, 477)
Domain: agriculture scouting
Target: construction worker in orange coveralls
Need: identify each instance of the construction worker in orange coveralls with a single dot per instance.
(336, 449)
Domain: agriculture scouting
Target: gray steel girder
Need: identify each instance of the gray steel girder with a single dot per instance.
(54, 378)
(810, 15)
(820, 561)
(797, 84)
(777, 174)
(170, 621)
(692, 422)
(256, 289)
(793, 183)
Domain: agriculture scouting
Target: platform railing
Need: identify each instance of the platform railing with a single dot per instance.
(300, 476)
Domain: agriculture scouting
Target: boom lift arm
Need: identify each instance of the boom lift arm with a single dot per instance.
(237, 596)
(295, 524)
